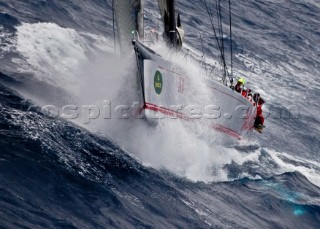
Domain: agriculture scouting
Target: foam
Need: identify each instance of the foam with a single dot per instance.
(311, 172)
(54, 54)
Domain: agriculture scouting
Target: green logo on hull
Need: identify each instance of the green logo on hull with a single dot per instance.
(158, 82)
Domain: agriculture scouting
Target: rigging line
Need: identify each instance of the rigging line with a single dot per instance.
(231, 48)
(113, 26)
(219, 19)
(219, 15)
(221, 28)
(218, 25)
(218, 22)
(210, 13)
(203, 56)
(215, 33)
(211, 21)
(223, 61)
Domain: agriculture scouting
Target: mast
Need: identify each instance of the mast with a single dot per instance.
(173, 32)
(172, 22)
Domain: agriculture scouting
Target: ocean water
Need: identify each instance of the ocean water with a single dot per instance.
(65, 169)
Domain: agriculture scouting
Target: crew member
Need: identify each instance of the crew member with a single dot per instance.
(240, 84)
(256, 97)
(245, 93)
(259, 122)
(249, 96)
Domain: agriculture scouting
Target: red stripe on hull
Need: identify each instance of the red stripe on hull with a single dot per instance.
(166, 111)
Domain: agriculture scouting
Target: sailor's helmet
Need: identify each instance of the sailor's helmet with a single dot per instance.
(242, 80)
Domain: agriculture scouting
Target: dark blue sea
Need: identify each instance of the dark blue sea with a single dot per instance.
(66, 163)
